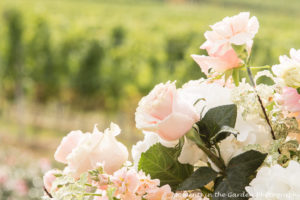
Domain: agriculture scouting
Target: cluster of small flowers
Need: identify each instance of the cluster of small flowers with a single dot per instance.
(101, 154)
(129, 184)
(125, 183)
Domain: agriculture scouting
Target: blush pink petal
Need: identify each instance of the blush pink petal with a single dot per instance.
(291, 100)
(66, 146)
(48, 179)
(180, 105)
(174, 126)
(162, 193)
(208, 62)
(240, 39)
(164, 112)
(161, 106)
(253, 26)
(239, 30)
(239, 22)
(221, 29)
(218, 64)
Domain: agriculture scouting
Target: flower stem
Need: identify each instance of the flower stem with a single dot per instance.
(213, 157)
(47, 192)
(219, 152)
(194, 136)
(260, 101)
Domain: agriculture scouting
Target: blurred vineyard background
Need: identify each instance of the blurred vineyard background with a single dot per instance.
(68, 64)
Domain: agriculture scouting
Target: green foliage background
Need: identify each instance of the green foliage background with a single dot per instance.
(107, 54)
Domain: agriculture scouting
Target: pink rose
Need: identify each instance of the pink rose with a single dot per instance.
(98, 148)
(237, 30)
(83, 152)
(67, 145)
(291, 100)
(49, 178)
(222, 63)
(166, 113)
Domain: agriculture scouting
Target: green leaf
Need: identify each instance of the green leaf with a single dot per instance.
(237, 176)
(265, 80)
(195, 137)
(246, 163)
(198, 179)
(224, 133)
(110, 193)
(215, 119)
(232, 188)
(228, 74)
(236, 76)
(241, 51)
(162, 163)
(298, 90)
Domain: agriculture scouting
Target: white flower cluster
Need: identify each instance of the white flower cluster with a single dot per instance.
(276, 183)
(289, 69)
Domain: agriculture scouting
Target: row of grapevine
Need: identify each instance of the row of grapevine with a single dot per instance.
(90, 68)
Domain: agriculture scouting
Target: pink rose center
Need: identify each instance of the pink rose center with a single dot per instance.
(160, 106)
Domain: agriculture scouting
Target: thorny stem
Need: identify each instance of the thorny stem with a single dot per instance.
(260, 102)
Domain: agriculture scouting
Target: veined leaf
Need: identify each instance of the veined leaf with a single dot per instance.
(198, 179)
(214, 120)
(162, 163)
(224, 133)
(237, 176)
(241, 51)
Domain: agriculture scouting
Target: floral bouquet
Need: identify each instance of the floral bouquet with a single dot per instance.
(233, 135)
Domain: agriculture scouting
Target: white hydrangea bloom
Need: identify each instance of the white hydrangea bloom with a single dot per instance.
(276, 183)
(289, 69)
(208, 95)
(190, 153)
(252, 128)
(248, 124)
